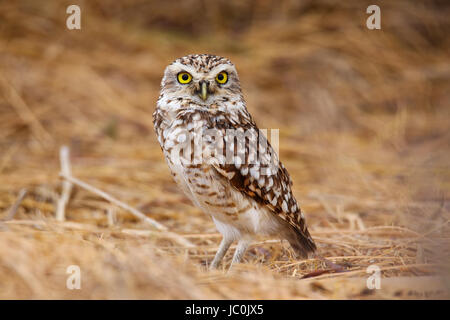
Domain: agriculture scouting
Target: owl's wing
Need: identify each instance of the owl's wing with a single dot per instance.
(260, 175)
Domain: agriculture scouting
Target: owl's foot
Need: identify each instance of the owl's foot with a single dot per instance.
(223, 248)
(240, 252)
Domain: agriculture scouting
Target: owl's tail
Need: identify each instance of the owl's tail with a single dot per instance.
(301, 242)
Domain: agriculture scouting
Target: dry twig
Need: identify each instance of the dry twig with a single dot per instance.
(12, 211)
(177, 238)
(66, 185)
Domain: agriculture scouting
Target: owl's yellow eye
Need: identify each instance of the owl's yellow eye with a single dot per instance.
(222, 77)
(184, 78)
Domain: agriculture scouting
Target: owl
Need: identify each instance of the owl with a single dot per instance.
(221, 160)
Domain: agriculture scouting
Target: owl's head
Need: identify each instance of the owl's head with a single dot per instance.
(203, 79)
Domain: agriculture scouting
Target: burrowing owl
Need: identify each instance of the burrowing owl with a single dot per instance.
(200, 116)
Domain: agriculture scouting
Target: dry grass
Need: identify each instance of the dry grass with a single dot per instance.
(363, 118)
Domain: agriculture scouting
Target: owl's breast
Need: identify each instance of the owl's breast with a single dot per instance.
(189, 156)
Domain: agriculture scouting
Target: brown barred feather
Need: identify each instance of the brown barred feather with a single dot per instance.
(274, 190)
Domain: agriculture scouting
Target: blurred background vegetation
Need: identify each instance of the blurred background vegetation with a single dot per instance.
(363, 118)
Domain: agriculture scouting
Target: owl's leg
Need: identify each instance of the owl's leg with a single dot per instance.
(223, 248)
(240, 251)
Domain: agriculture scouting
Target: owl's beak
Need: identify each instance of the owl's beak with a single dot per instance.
(204, 91)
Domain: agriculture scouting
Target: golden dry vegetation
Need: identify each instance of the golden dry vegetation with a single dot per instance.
(363, 118)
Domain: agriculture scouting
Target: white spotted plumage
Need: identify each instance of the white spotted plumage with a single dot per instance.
(245, 196)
